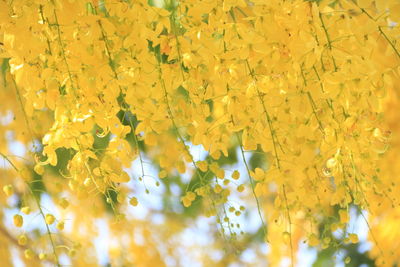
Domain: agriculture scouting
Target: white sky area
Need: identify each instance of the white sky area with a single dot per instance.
(198, 234)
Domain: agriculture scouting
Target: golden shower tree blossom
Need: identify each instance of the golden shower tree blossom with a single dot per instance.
(127, 127)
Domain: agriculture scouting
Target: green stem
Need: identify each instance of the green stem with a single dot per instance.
(252, 186)
(328, 39)
(63, 49)
(388, 40)
(40, 210)
(270, 125)
(290, 226)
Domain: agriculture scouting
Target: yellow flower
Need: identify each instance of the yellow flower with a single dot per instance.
(133, 201)
(60, 226)
(50, 218)
(26, 210)
(353, 238)
(8, 190)
(240, 188)
(236, 175)
(18, 220)
(22, 240)
(344, 216)
(313, 240)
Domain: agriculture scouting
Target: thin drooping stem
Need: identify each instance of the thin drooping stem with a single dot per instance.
(40, 210)
(290, 225)
(253, 188)
(269, 121)
(328, 38)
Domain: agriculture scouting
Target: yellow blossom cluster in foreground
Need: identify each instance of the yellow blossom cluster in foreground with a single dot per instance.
(295, 105)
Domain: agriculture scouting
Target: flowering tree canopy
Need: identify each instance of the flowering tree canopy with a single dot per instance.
(168, 133)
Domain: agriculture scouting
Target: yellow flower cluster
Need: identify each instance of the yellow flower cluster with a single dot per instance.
(311, 86)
